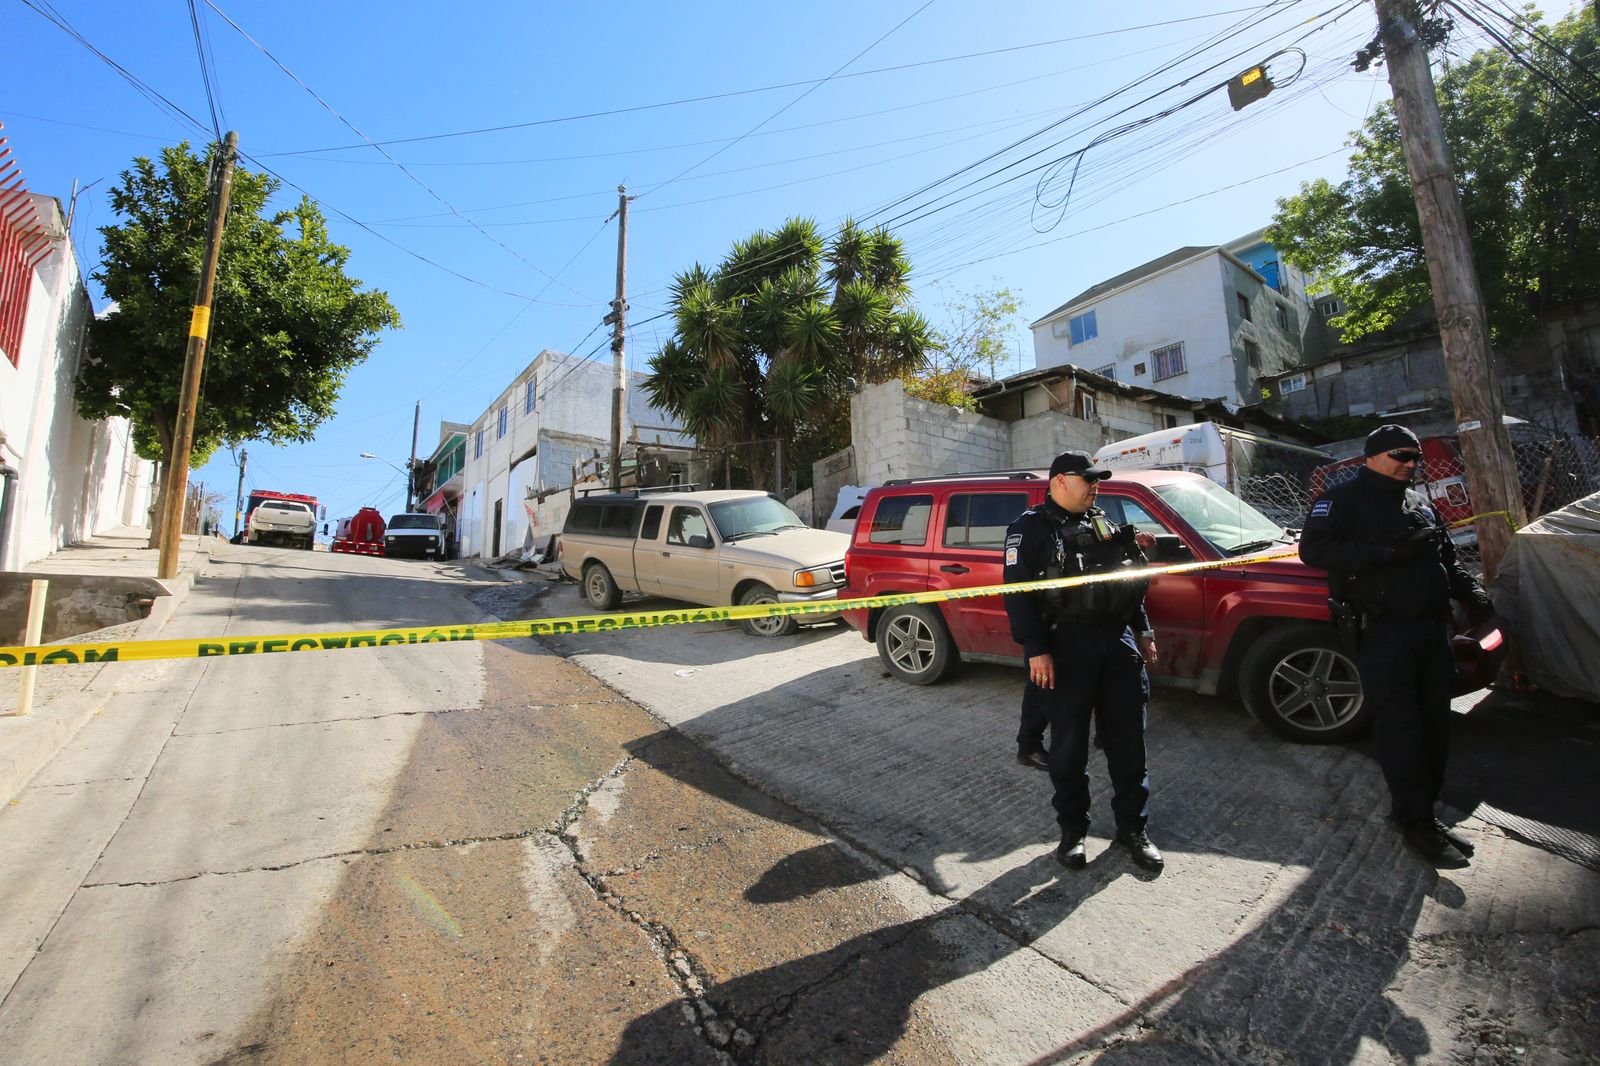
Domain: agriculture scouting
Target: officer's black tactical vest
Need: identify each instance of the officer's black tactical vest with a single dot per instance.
(1078, 550)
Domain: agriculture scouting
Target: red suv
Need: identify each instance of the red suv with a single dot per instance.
(1260, 630)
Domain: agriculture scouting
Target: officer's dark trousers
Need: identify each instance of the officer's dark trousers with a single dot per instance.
(1407, 672)
(1099, 673)
(1035, 716)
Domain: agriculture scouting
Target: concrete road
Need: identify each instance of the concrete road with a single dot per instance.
(689, 845)
(1290, 923)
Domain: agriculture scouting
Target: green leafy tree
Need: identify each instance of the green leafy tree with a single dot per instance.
(766, 345)
(976, 342)
(287, 323)
(1527, 158)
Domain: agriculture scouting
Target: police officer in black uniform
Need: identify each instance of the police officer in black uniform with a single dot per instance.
(1086, 648)
(1392, 572)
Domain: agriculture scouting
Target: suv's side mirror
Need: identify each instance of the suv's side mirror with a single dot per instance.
(1170, 548)
(699, 540)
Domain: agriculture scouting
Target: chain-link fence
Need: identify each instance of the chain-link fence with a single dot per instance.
(1553, 471)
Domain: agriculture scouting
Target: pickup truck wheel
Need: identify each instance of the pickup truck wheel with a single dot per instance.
(1302, 683)
(600, 588)
(914, 644)
(780, 626)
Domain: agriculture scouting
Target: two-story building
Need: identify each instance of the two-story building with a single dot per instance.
(555, 414)
(1198, 321)
(439, 476)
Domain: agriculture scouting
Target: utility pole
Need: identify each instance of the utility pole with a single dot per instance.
(193, 361)
(618, 320)
(411, 463)
(238, 496)
(1463, 327)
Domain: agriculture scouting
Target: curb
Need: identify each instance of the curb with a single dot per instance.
(27, 744)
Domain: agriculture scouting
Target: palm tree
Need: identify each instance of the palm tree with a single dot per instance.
(765, 345)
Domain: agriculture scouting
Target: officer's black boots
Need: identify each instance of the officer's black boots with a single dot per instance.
(1457, 840)
(1429, 840)
(1144, 853)
(1070, 852)
(1032, 755)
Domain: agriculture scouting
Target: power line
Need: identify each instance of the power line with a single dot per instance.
(172, 110)
(402, 167)
(770, 88)
(205, 71)
(884, 37)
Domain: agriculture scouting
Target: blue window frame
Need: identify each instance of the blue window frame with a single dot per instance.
(1083, 327)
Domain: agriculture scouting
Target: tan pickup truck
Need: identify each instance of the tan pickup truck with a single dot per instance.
(714, 548)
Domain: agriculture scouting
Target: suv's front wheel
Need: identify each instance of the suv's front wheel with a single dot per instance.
(1300, 682)
(914, 644)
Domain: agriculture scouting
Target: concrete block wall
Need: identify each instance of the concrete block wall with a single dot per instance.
(1040, 438)
(897, 436)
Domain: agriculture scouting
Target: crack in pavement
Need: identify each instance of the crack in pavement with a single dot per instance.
(326, 721)
(420, 845)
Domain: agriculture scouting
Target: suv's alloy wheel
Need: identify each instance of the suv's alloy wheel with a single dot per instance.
(914, 644)
(1301, 682)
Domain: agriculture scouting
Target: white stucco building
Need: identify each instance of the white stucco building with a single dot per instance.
(1198, 321)
(556, 412)
(73, 477)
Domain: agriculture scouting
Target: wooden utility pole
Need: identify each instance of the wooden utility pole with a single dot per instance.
(1491, 467)
(177, 481)
(411, 463)
(618, 319)
(238, 496)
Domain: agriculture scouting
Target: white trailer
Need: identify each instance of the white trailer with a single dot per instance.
(1271, 474)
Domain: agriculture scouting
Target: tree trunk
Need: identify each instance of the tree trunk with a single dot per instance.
(163, 427)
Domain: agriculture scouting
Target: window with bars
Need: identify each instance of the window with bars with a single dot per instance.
(1168, 362)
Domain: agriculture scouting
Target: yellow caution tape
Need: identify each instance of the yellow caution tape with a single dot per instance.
(208, 647)
(147, 650)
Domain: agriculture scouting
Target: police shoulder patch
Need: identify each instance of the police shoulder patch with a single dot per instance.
(1011, 557)
(1322, 509)
(1013, 541)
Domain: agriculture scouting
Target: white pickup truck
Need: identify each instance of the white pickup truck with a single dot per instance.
(714, 548)
(282, 520)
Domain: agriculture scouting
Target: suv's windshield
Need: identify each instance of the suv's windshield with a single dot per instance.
(414, 521)
(752, 517)
(1231, 525)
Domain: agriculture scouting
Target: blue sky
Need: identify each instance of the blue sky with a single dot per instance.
(516, 122)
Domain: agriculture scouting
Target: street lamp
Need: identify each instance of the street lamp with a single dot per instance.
(406, 471)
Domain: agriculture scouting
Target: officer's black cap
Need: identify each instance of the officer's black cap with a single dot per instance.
(1390, 438)
(1078, 463)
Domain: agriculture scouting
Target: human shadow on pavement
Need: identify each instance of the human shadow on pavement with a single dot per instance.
(1309, 981)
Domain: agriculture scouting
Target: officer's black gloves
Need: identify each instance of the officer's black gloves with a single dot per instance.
(1479, 612)
(1416, 543)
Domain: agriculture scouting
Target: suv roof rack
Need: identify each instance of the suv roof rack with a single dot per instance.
(635, 493)
(1010, 475)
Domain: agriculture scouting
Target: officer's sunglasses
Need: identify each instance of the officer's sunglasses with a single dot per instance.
(1404, 456)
